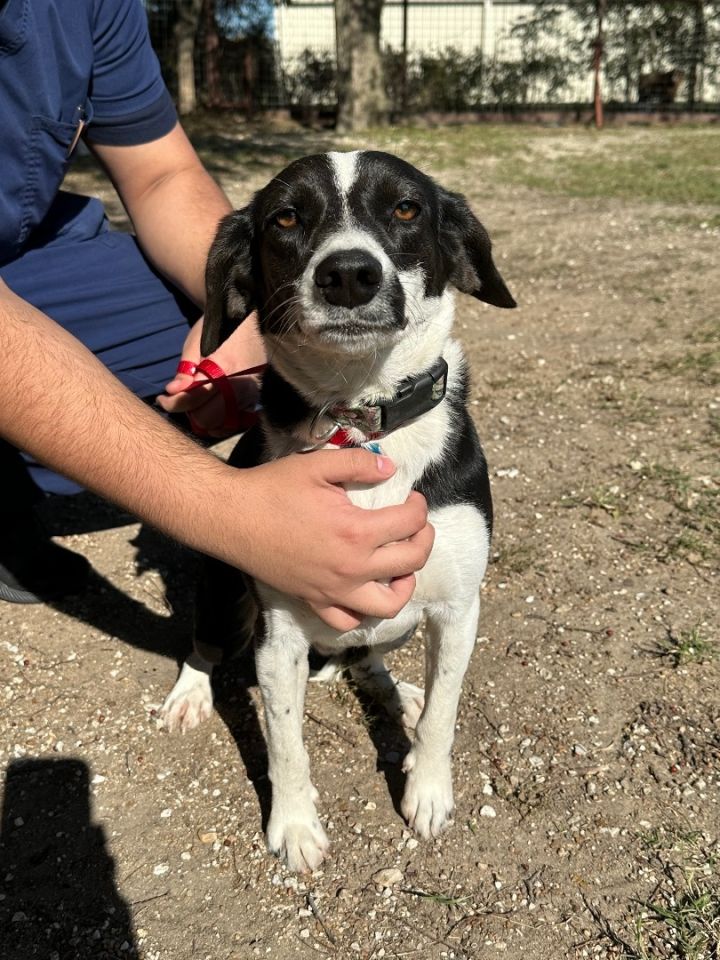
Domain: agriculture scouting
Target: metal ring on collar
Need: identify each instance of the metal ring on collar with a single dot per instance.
(320, 439)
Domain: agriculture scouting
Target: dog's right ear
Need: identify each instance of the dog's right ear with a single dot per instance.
(230, 289)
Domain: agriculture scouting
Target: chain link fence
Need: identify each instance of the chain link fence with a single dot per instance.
(455, 56)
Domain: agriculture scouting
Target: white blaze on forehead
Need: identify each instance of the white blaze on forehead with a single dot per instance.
(344, 167)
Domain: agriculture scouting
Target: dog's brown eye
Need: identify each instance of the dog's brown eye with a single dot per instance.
(286, 218)
(406, 210)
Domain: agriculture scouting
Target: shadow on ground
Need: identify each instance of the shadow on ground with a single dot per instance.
(103, 605)
(60, 898)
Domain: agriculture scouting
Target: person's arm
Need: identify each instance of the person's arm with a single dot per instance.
(287, 523)
(173, 202)
(175, 206)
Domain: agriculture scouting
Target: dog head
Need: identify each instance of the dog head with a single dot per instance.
(343, 252)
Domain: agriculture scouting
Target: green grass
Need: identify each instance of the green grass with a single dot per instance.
(607, 498)
(688, 646)
(674, 165)
(670, 165)
(704, 367)
(691, 925)
(682, 920)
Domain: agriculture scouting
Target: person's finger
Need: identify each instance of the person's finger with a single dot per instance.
(381, 600)
(188, 400)
(339, 618)
(353, 465)
(403, 557)
(181, 382)
(208, 403)
(399, 522)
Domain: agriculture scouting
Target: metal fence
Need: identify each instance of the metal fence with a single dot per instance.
(458, 55)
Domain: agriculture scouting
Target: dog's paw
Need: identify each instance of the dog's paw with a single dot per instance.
(412, 703)
(298, 839)
(190, 701)
(427, 803)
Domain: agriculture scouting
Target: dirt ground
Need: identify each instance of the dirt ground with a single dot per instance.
(587, 759)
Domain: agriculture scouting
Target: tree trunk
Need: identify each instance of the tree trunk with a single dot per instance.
(600, 6)
(362, 101)
(212, 56)
(185, 33)
(697, 54)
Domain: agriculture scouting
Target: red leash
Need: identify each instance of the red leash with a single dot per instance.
(236, 420)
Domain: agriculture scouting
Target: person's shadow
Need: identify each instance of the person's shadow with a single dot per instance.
(58, 898)
(108, 608)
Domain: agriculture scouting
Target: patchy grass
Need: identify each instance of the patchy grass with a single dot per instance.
(681, 920)
(694, 525)
(687, 646)
(607, 498)
(703, 366)
(670, 165)
(691, 925)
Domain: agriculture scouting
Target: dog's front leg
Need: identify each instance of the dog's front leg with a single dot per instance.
(294, 832)
(428, 799)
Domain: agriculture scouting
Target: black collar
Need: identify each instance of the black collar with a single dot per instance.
(414, 396)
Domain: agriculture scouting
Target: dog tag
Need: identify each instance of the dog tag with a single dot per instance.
(372, 445)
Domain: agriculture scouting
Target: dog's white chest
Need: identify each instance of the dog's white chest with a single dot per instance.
(451, 577)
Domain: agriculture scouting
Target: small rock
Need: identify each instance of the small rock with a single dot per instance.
(487, 811)
(161, 869)
(388, 877)
(207, 836)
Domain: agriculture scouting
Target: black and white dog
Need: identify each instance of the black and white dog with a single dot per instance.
(350, 260)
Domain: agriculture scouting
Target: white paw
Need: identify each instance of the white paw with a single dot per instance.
(428, 802)
(412, 703)
(190, 701)
(297, 837)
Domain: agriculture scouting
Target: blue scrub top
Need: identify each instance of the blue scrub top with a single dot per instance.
(63, 62)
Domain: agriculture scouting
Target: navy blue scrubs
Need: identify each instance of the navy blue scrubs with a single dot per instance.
(66, 65)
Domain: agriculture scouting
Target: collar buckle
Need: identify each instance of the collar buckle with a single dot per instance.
(415, 396)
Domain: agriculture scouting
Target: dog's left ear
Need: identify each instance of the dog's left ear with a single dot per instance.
(230, 289)
(467, 252)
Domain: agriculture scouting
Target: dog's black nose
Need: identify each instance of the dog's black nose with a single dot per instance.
(349, 278)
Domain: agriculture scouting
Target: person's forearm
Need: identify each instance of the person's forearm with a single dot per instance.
(62, 406)
(289, 523)
(174, 204)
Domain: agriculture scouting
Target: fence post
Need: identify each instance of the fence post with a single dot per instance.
(487, 46)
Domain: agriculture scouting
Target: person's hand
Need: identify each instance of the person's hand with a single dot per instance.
(309, 540)
(243, 350)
